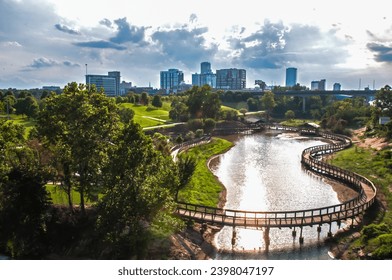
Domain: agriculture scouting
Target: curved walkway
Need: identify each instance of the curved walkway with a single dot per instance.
(307, 217)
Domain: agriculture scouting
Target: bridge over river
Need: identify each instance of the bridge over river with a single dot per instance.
(312, 160)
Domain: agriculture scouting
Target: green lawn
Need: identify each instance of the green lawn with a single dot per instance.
(149, 116)
(22, 120)
(204, 188)
(59, 196)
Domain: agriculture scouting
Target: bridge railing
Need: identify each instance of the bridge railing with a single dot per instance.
(310, 158)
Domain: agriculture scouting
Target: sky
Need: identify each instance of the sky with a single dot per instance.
(50, 42)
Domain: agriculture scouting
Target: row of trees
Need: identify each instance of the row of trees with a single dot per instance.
(81, 145)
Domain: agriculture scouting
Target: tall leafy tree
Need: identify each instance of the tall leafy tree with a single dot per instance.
(23, 205)
(79, 125)
(186, 166)
(140, 184)
(268, 100)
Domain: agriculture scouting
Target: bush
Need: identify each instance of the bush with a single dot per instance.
(373, 231)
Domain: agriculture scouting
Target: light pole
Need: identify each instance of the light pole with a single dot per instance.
(88, 82)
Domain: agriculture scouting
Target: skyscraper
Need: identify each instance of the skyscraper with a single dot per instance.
(205, 68)
(206, 76)
(171, 79)
(291, 77)
(232, 78)
(109, 83)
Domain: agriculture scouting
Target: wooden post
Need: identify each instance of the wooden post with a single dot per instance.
(266, 238)
(301, 238)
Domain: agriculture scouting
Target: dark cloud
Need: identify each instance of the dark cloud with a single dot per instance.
(66, 29)
(127, 33)
(100, 45)
(44, 62)
(185, 46)
(382, 52)
(106, 22)
(193, 18)
(275, 46)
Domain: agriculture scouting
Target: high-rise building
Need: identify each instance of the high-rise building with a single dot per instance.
(233, 78)
(206, 76)
(291, 77)
(318, 85)
(205, 68)
(337, 86)
(109, 83)
(171, 79)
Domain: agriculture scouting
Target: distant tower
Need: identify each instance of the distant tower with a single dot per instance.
(205, 68)
(337, 87)
(291, 77)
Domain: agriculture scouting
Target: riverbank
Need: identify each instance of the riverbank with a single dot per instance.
(197, 242)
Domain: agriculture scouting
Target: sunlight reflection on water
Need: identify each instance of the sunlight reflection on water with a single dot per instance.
(264, 173)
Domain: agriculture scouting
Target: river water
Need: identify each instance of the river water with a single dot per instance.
(263, 172)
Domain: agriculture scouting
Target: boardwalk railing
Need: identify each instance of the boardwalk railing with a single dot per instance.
(317, 216)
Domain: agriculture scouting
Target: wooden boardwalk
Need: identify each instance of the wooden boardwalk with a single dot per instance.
(311, 159)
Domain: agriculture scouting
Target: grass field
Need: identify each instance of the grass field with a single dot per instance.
(204, 188)
(59, 196)
(28, 124)
(149, 116)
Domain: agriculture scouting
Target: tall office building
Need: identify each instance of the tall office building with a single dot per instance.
(233, 79)
(337, 86)
(205, 68)
(206, 77)
(109, 83)
(171, 79)
(291, 77)
(318, 85)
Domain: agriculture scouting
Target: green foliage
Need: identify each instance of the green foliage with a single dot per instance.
(157, 101)
(289, 114)
(23, 205)
(139, 183)
(203, 187)
(372, 231)
(78, 125)
(377, 167)
(383, 244)
(126, 114)
(186, 167)
(202, 103)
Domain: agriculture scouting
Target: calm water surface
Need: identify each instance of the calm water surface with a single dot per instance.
(263, 172)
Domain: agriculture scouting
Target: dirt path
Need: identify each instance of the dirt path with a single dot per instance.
(373, 143)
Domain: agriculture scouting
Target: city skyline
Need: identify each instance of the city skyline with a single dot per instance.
(48, 42)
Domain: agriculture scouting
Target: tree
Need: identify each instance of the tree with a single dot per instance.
(23, 205)
(384, 101)
(211, 106)
(289, 115)
(268, 100)
(156, 101)
(139, 186)
(144, 98)
(243, 111)
(186, 166)
(27, 106)
(179, 111)
(126, 114)
(79, 126)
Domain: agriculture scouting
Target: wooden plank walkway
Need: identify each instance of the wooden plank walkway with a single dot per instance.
(308, 217)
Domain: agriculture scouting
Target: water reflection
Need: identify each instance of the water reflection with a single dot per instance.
(264, 173)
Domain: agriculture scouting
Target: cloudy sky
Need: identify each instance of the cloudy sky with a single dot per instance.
(49, 42)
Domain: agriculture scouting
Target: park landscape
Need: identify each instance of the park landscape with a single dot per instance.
(85, 176)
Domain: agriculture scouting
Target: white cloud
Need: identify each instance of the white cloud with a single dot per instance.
(146, 37)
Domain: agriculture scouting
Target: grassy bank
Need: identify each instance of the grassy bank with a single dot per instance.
(376, 238)
(148, 116)
(204, 188)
